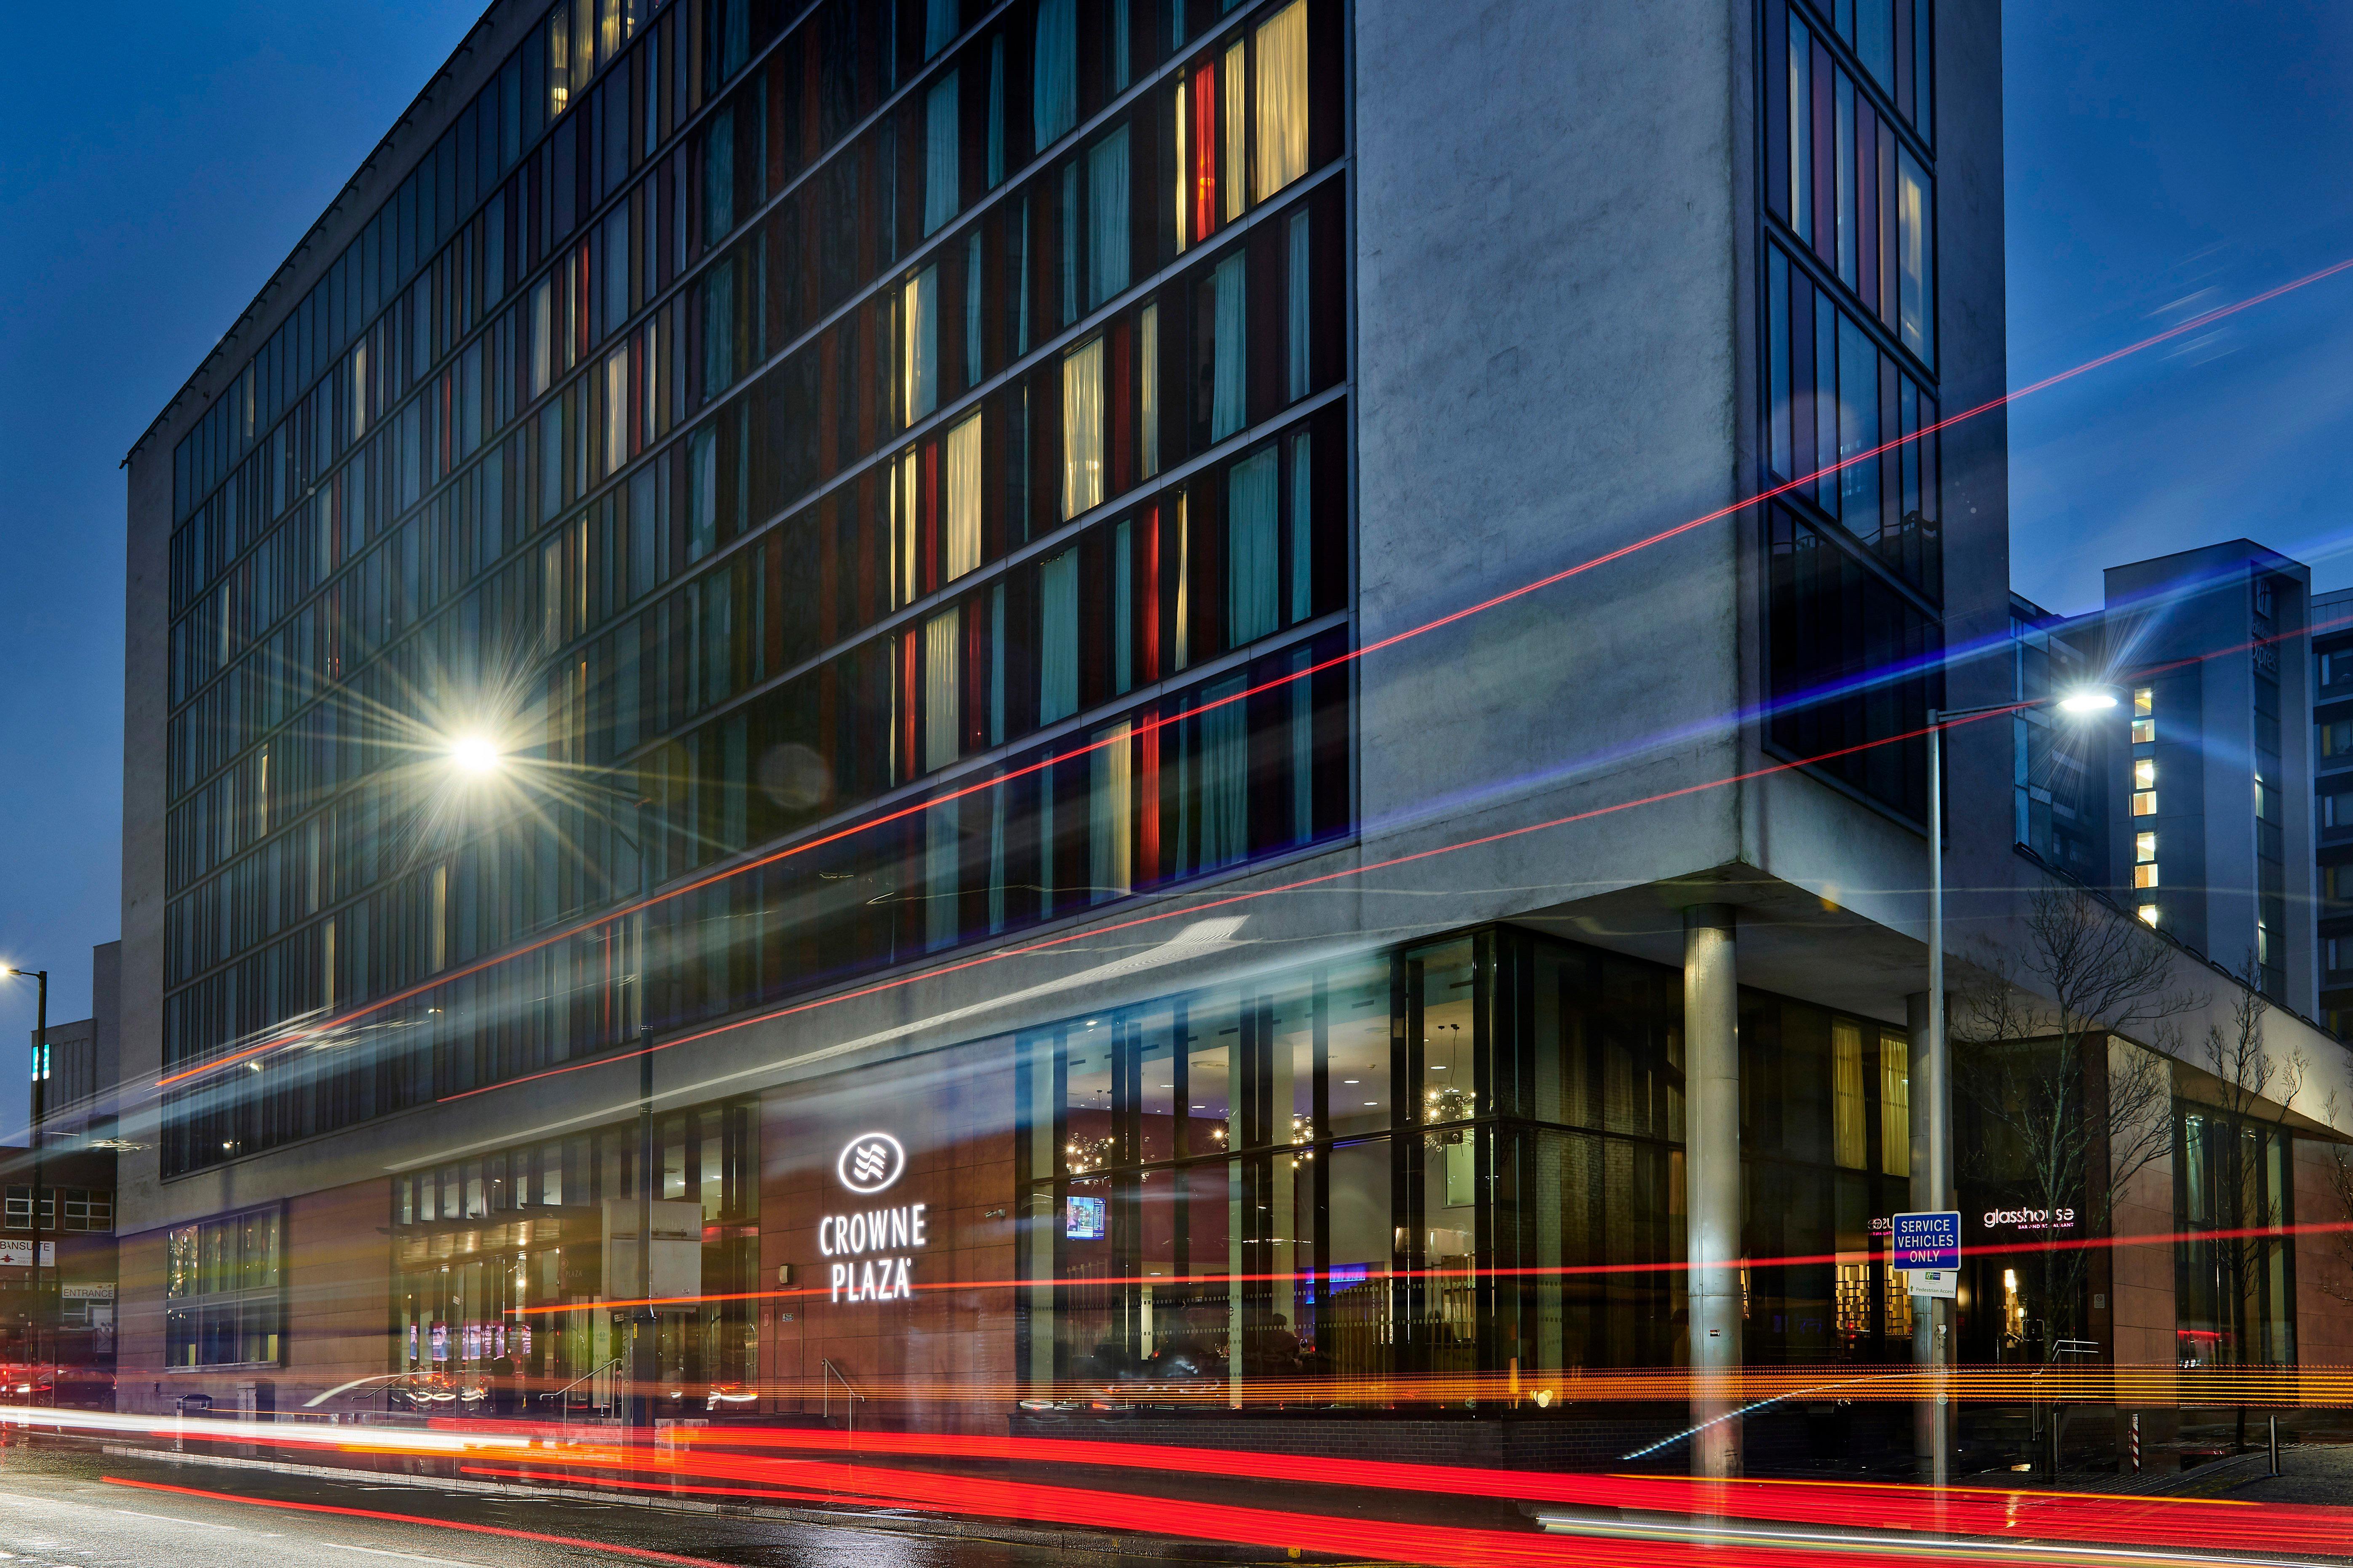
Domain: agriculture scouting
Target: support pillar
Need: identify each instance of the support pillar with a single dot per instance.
(1712, 1182)
(1932, 1165)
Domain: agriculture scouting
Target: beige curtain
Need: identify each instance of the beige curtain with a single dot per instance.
(1147, 358)
(943, 688)
(1895, 1105)
(1083, 429)
(1847, 1098)
(1237, 107)
(903, 581)
(1281, 153)
(1110, 832)
(963, 507)
(921, 325)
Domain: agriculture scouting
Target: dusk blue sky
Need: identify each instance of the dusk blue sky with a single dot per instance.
(161, 160)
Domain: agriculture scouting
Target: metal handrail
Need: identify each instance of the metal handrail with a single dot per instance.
(562, 1405)
(826, 1380)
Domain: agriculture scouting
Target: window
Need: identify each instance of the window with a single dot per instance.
(1895, 1105)
(1230, 329)
(963, 511)
(1833, 400)
(2149, 913)
(919, 309)
(1282, 100)
(1848, 1135)
(2145, 876)
(2335, 739)
(2337, 670)
(2144, 702)
(943, 688)
(1833, 627)
(1253, 574)
(1083, 429)
(1147, 332)
(2144, 784)
(1107, 218)
(222, 1290)
(1845, 180)
(1298, 341)
(1058, 638)
(939, 25)
(1054, 75)
(2336, 809)
(942, 197)
(2144, 732)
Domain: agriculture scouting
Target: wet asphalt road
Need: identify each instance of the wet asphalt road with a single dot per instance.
(67, 1509)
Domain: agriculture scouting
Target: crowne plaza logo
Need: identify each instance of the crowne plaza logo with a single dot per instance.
(870, 1162)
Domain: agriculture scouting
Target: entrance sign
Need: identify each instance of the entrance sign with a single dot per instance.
(1928, 1246)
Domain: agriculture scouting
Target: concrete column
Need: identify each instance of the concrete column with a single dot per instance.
(1932, 1164)
(1712, 1181)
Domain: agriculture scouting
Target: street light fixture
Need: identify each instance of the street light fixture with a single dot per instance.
(476, 754)
(1936, 1064)
(40, 1084)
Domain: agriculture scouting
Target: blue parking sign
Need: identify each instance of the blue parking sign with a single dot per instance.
(1930, 1240)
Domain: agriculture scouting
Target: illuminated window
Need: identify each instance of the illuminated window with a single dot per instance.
(2145, 846)
(2144, 803)
(2144, 773)
(2149, 913)
(2144, 732)
(2145, 876)
(2144, 702)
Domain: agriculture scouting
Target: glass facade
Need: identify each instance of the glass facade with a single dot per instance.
(224, 1293)
(1848, 388)
(922, 420)
(1422, 1174)
(503, 1255)
(2234, 1295)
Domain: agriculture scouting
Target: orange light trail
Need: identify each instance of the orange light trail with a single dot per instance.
(1152, 723)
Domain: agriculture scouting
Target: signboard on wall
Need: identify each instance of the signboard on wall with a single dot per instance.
(19, 1255)
(863, 1249)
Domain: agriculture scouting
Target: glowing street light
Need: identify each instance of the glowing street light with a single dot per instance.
(476, 754)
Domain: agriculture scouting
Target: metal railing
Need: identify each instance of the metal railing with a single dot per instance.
(830, 1375)
(564, 1404)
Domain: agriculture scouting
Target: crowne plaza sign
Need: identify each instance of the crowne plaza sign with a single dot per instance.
(865, 1246)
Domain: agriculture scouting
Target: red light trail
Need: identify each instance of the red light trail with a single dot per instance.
(2112, 356)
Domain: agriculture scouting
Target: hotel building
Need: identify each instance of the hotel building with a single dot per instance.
(974, 551)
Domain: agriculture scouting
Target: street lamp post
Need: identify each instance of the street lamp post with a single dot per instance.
(1932, 1179)
(479, 754)
(40, 1083)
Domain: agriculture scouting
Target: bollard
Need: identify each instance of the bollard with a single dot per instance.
(2274, 1445)
(2135, 1442)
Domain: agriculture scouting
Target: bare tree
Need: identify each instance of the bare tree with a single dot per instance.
(2066, 1121)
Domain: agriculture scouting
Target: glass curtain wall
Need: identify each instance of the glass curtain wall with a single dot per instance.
(502, 1256)
(1431, 1175)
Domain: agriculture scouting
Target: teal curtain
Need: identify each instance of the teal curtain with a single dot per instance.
(1054, 73)
(1228, 384)
(1253, 576)
(942, 197)
(1058, 638)
(1107, 218)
